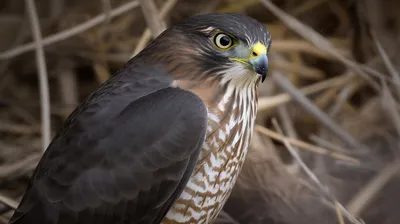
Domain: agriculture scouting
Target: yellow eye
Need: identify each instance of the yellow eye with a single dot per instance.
(223, 41)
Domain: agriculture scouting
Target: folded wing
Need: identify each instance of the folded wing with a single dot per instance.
(124, 156)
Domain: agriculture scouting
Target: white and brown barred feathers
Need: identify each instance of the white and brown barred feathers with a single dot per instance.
(231, 117)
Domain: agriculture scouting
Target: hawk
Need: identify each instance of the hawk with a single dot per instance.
(164, 139)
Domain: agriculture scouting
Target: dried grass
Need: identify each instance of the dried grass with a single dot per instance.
(334, 90)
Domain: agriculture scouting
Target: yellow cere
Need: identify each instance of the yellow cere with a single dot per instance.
(258, 49)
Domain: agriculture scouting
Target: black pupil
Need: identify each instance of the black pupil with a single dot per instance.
(225, 41)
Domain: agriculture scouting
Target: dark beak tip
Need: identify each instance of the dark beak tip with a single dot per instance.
(263, 77)
(262, 71)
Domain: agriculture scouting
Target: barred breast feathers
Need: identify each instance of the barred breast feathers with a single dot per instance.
(232, 106)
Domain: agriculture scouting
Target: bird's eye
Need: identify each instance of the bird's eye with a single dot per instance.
(223, 41)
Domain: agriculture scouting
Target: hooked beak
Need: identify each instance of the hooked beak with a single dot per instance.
(259, 60)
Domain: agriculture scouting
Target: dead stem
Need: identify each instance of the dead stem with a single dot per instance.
(42, 73)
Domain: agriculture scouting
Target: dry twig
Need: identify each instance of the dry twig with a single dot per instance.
(69, 32)
(304, 145)
(288, 127)
(9, 170)
(153, 19)
(320, 141)
(68, 86)
(318, 40)
(303, 71)
(324, 190)
(315, 111)
(8, 201)
(339, 213)
(364, 197)
(146, 36)
(386, 60)
(42, 73)
(290, 46)
(265, 103)
(391, 105)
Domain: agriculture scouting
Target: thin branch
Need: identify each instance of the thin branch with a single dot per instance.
(364, 197)
(19, 39)
(290, 131)
(265, 103)
(146, 36)
(318, 40)
(21, 129)
(9, 202)
(153, 19)
(325, 143)
(301, 70)
(302, 46)
(315, 111)
(285, 118)
(107, 9)
(386, 60)
(305, 145)
(344, 94)
(339, 213)
(69, 32)
(391, 105)
(144, 39)
(11, 170)
(287, 122)
(67, 84)
(324, 190)
(346, 91)
(42, 73)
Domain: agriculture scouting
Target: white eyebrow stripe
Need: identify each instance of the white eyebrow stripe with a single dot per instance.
(208, 29)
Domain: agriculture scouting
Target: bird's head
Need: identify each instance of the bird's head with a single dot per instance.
(225, 46)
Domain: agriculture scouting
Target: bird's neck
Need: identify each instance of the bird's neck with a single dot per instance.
(214, 91)
(235, 109)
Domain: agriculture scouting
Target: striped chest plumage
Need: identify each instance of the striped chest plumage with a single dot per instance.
(230, 126)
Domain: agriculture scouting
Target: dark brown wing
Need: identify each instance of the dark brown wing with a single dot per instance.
(124, 155)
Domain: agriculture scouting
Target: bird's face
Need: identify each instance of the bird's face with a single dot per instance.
(233, 55)
(233, 46)
(220, 45)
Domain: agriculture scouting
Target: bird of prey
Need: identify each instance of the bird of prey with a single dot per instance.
(164, 139)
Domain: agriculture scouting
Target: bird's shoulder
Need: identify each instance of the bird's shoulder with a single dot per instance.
(127, 85)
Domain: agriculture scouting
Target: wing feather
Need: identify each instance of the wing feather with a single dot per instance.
(124, 154)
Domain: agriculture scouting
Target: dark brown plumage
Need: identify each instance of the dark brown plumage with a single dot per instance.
(164, 139)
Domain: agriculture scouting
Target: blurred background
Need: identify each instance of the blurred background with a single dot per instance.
(327, 136)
